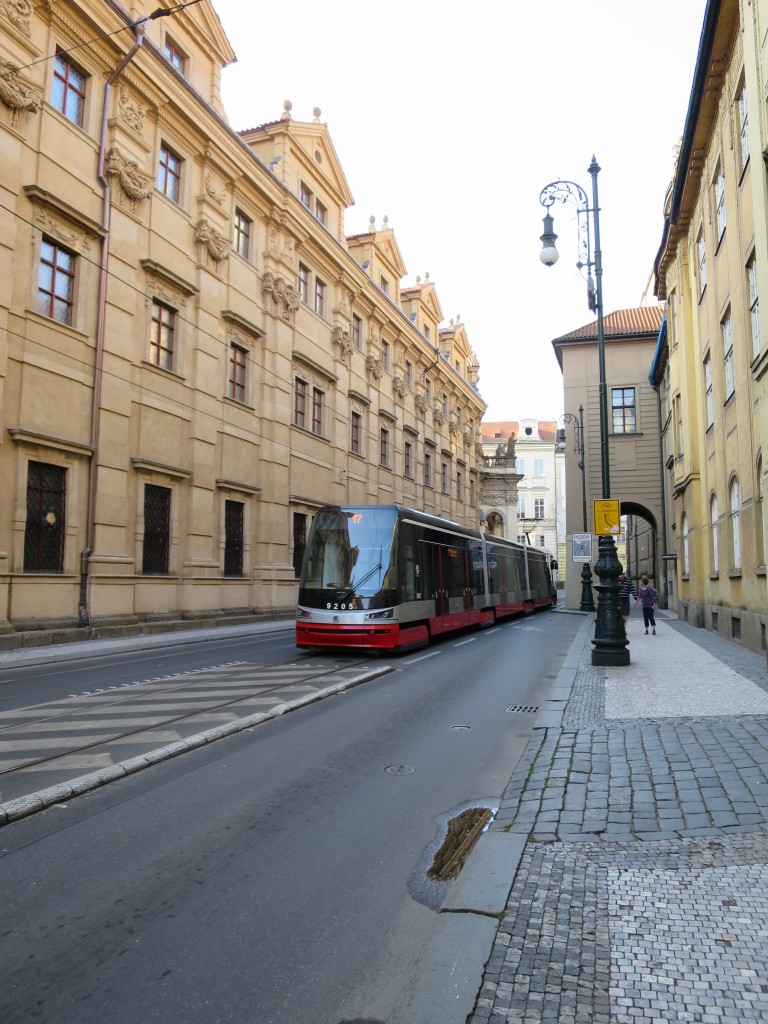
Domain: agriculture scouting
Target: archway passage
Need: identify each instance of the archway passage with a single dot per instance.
(638, 547)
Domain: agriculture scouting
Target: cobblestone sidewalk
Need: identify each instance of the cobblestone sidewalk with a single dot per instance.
(643, 892)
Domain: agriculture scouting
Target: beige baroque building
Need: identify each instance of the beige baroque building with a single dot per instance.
(631, 336)
(194, 356)
(710, 365)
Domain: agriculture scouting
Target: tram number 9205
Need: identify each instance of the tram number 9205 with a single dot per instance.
(336, 606)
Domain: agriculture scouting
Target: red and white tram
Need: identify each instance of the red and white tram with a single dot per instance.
(390, 578)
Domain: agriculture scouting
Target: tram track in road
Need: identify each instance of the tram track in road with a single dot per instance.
(197, 697)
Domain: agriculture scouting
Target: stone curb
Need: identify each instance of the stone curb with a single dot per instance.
(551, 714)
(23, 806)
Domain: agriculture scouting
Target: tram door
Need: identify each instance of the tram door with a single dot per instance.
(446, 576)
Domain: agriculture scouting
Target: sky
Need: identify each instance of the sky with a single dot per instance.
(450, 118)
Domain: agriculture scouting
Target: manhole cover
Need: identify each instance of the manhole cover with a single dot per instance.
(399, 769)
(526, 709)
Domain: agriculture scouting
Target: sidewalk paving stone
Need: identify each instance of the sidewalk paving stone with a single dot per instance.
(642, 893)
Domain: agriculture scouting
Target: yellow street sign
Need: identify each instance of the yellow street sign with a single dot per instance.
(607, 517)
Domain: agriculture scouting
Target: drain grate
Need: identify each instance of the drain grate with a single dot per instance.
(523, 709)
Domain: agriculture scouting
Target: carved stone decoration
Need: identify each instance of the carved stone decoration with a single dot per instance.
(453, 427)
(468, 438)
(343, 346)
(19, 13)
(345, 302)
(399, 387)
(210, 189)
(374, 367)
(130, 113)
(421, 402)
(17, 96)
(134, 186)
(284, 297)
(479, 453)
(439, 416)
(217, 247)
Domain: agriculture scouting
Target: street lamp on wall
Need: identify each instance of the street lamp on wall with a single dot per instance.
(610, 644)
(587, 601)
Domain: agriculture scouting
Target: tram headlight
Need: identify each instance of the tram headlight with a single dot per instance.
(388, 613)
(302, 613)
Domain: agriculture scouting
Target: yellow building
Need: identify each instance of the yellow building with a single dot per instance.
(632, 435)
(710, 367)
(194, 356)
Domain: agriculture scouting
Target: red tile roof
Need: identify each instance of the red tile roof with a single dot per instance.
(499, 431)
(623, 323)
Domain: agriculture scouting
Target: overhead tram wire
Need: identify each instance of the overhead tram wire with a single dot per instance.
(161, 12)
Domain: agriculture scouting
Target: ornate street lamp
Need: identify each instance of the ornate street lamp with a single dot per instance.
(610, 644)
(587, 601)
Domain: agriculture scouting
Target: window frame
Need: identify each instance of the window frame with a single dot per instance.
(160, 329)
(357, 331)
(303, 283)
(237, 376)
(300, 386)
(170, 168)
(63, 88)
(408, 459)
(726, 333)
(714, 549)
(384, 447)
(318, 411)
(175, 56)
(754, 305)
(709, 397)
(623, 409)
(319, 306)
(701, 253)
(734, 515)
(160, 540)
(241, 233)
(428, 469)
(46, 507)
(743, 123)
(234, 545)
(57, 272)
(719, 193)
(355, 433)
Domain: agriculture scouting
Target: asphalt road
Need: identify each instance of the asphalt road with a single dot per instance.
(278, 876)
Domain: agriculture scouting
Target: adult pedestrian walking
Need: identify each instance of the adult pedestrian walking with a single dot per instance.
(649, 598)
(626, 590)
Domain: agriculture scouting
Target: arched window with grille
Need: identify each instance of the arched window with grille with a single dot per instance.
(759, 518)
(714, 553)
(685, 568)
(734, 495)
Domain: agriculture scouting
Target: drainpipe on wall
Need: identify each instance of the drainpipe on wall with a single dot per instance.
(84, 604)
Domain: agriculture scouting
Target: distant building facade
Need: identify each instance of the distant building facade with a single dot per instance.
(631, 336)
(194, 356)
(535, 492)
(711, 361)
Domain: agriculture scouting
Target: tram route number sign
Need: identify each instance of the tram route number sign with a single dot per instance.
(607, 517)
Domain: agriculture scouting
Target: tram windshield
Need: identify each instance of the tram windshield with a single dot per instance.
(350, 552)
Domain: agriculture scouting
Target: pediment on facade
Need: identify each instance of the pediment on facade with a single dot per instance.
(313, 147)
(202, 23)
